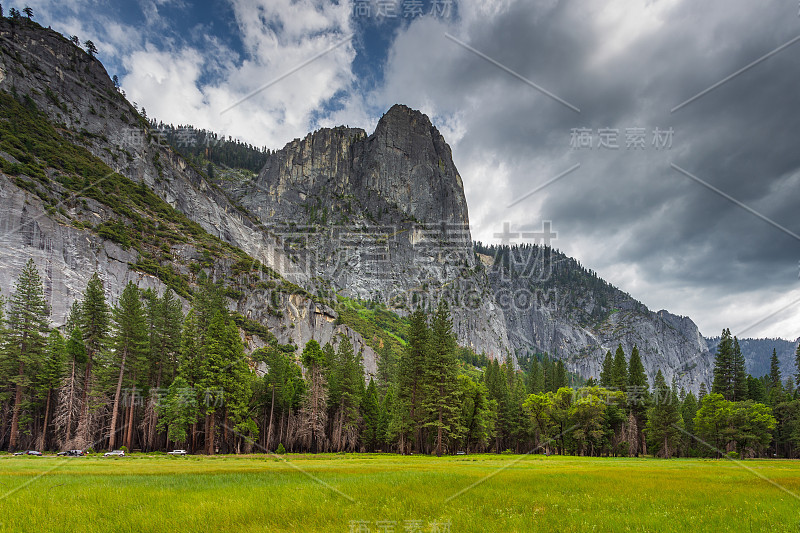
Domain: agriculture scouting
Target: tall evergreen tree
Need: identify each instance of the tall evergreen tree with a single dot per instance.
(664, 419)
(95, 325)
(638, 395)
(724, 367)
(348, 374)
(688, 412)
(410, 381)
(619, 370)
(314, 413)
(370, 411)
(756, 390)
(68, 408)
(607, 371)
(91, 49)
(536, 381)
(441, 377)
(739, 373)
(702, 391)
(178, 411)
(49, 379)
(774, 371)
(28, 317)
(130, 345)
(387, 369)
(797, 364)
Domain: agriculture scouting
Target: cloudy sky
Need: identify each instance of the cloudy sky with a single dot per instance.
(660, 137)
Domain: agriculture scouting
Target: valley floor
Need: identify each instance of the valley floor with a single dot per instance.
(390, 493)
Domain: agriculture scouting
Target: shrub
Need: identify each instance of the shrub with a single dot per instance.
(281, 450)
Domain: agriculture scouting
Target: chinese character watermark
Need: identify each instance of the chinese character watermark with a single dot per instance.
(402, 9)
(609, 138)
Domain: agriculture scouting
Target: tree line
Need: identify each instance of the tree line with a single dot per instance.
(144, 374)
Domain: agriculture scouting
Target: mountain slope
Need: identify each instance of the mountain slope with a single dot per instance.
(557, 306)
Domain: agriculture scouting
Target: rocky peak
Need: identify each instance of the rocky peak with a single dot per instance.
(409, 163)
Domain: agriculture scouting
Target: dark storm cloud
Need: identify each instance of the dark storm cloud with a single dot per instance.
(623, 207)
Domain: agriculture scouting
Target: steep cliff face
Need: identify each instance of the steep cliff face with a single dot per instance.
(379, 217)
(66, 256)
(408, 162)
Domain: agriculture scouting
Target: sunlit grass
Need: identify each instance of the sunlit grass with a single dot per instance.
(335, 492)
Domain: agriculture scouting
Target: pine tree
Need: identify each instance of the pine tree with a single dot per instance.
(774, 371)
(314, 413)
(164, 318)
(739, 373)
(347, 373)
(536, 378)
(385, 434)
(410, 380)
(370, 412)
(74, 319)
(91, 49)
(130, 345)
(774, 383)
(701, 392)
(238, 390)
(387, 369)
(441, 377)
(724, 367)
(619, 370)
(636, 373)
(664, 419)
(638, 395)
(756, 390)
(68, 408)
(49, 379)
(178, 411)
(561, 377)
(27, 323)
(688, 412)
(95, 325)
(499, 393)
(607, 371)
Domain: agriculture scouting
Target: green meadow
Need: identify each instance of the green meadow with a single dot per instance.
(376, 492)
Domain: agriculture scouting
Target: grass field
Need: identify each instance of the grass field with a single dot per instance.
(395, 493)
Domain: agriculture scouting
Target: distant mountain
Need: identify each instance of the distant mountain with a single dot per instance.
(758, 352)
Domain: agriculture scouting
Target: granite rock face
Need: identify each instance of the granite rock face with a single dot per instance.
(65, 256)
(379, 217)
(556, 306)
